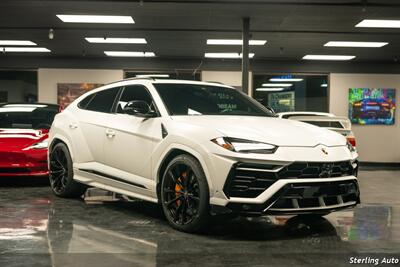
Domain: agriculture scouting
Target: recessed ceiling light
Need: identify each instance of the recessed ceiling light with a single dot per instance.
(355, 44)
(152, 76)
(16, 42)
(285, 80)
(129, 54)
(234, 42)
(96, 19)
(116, 40)
(24, 49)
(324, 85)
(270, 89)
(226, 55)
(379, 23)
(327, 57)
(277, 84)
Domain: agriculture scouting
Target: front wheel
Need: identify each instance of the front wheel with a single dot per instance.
(61, 173)
(185, 194)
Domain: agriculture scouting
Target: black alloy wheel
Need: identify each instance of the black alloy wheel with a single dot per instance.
(61, 173)
(184, 194)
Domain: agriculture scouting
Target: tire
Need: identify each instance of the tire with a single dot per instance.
(185, 195)
(61, 173)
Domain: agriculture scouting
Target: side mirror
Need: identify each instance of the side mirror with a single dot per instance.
(139, 108)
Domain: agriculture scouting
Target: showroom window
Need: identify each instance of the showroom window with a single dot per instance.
(103, 100)
(18, 86)
(135, 92)
(283, 92)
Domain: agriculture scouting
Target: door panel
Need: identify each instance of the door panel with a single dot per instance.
(92, 121)
(131, 140)
(130, 144)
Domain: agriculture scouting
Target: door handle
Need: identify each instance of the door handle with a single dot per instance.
(73, 126)
(110, 133)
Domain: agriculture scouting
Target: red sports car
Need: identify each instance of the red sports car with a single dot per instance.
(24, 131)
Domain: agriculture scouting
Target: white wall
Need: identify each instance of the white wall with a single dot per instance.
(48, 79)
(375, 143)
(232, 78)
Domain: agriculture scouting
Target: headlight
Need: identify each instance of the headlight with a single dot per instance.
(244, 146)
(351, 147)
(41, 145)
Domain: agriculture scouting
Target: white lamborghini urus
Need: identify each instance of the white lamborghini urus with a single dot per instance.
(198, 149)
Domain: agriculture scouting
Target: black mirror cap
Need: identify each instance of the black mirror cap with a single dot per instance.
(139, 108)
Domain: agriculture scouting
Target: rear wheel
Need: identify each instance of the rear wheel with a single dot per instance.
(61, 173)
(185, 194)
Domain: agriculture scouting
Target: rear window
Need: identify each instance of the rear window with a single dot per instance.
(27, 116)
(103, 100)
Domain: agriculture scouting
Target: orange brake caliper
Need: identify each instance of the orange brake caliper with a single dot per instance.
(178, 188)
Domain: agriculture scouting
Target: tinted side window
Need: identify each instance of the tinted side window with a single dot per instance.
(85, 101)
(135, 92)
(103, 100)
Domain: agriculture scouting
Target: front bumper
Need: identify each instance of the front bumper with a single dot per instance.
(24, 163)
(301, 196)
(265, 184)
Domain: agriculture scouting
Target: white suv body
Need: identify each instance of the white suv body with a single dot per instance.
(247, 160)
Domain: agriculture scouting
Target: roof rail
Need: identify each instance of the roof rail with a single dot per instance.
(130, 79)
(215, 82)
(140, 78)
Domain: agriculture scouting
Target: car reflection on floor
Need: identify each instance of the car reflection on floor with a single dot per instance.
(35, 227)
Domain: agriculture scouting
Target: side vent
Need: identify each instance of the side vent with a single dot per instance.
(164, 131)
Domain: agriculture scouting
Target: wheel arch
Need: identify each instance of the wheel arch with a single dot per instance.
(59, 139)
(171, 154)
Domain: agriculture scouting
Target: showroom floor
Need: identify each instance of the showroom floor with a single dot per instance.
(37, 229)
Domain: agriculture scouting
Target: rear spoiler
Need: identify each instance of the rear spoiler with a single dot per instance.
(345, 122)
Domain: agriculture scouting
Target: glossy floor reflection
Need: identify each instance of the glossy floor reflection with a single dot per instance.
(37, 229)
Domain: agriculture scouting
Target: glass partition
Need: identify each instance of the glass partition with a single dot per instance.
(287, 92)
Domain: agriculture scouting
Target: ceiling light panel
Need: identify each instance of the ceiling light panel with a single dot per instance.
(103, 40)
(24, 49)
(328, 57)
(129, 54)
(226, 55)
(96, 19)
(234, 42)
(277, 84)
(355, 44)
(17, 42)
(379, 23)
(152, 76)
(285, 80)
(270, 89)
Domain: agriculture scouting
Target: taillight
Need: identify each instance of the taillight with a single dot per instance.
(352, 141)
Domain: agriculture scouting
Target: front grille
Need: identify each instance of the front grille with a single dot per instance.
(250, 180)
(315, 196)
(317, 170)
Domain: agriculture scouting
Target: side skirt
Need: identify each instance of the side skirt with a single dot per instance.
(113, 184)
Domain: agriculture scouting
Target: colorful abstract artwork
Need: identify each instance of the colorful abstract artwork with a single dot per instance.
(372, 106)
(68, 92)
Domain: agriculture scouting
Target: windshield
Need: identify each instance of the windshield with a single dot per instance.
(193, 99)
(27, 116)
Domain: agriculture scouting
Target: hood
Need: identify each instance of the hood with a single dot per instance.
(11, 139)
(280, 132)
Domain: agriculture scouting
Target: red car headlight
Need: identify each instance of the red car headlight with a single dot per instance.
(40, 145)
